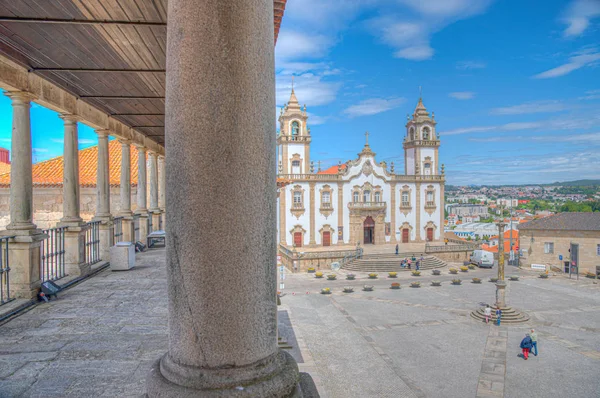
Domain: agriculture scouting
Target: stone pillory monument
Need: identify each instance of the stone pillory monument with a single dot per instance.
(362, 201)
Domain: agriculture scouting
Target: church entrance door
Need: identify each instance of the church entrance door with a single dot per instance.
(326, 238)
(405, 233)
(369, 228)
(429, 234)
(298, 239)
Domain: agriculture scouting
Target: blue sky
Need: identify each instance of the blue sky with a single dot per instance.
(514, 84)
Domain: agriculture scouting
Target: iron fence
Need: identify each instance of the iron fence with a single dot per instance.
(136, 227)
(4, 271)
(92, 243)
(52, 265)
(118, 229)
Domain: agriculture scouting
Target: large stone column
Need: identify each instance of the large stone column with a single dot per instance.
(162, 186)
(103, 196)
(125, 192)
(154, 210)
(142, 208)
(24, 247)
(501, 283)
(75, 264)
(221, 247)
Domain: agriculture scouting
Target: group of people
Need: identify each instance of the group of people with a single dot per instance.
(408, 262)
(488, 314)
(529, 344)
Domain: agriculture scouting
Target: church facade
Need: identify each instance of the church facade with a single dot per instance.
(362, 201)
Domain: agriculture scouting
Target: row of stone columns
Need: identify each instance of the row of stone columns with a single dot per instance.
(25, 246)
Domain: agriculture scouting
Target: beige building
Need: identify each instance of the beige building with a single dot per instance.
(547, 241)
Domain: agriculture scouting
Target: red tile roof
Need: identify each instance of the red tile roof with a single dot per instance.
(49, 173)
(332, 170)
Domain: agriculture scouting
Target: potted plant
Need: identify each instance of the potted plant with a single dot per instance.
(453, 270)
(326, 290)
(415, 284)
(436, 272)
(476, 280)
(311, 270)
(318, 274)
(456, 281)
(436, 283)
(372, 275)
(464, 269)
(544, 275)
(395, 285)
(350, 277)
(393, 274)
(493, 279)
(416, 273)
(331, 277)
(348, 289)
(514, 277)
(471, 266)
(368, 288)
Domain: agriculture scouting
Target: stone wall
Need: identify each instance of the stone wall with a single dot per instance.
(533, 252)
(48, 203)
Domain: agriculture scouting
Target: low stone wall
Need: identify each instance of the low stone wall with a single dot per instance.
(451, 253)
(320, 260)
(48, 205)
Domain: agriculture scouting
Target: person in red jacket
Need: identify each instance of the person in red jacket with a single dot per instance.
(526, 345)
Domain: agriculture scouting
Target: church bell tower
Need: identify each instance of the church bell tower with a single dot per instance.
(421, 143)
(293, 140)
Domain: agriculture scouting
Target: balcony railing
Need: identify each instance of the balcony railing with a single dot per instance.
(4, 271)
(118, 229)
(92, 243)
(52, 265)
(430, 204)
(367, 205)
(297, 205)
(326, 205)
(405, 205)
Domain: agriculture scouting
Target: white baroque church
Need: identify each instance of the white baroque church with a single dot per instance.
(362, 201)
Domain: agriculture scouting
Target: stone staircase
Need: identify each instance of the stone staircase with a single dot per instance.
(386, 262)
(509, 315)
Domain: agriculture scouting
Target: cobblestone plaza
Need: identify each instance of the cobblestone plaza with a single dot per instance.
(100, 337)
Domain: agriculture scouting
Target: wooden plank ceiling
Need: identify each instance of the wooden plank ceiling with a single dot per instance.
(109, 53)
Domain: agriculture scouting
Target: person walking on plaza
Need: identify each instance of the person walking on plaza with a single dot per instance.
(397, 249)
(417, 265)
(526, 346)
(534, 337)
(488, 313)
(498, 316)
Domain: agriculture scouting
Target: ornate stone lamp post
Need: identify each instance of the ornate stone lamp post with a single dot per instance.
(500, 283)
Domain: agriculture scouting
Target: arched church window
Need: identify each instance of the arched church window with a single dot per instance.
(366, 196)
(377, 197)
(426, 133)
(412, 134)
(295, 128)
(355, 197)
(295, 166)
(405, 200)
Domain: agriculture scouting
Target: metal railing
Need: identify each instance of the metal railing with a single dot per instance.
(136, 227)
(92, 243)
(52, 265)
(4, 271)
(350, 257)
(118, 229)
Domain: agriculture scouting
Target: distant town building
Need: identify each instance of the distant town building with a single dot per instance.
(507, 202)
(478, 230)
(463, 210)
(546, 241)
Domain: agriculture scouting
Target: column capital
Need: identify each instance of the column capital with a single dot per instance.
(140, 147)
(152, 153)
(20, 96)
(69, 117)
(101, 133)
(161, 157)
(124, 141)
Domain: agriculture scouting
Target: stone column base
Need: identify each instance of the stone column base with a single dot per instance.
(128, 229)
(75, 264)
(156, 217)
(143, 227)
(106, 236)
(276, 376)
(24, 262)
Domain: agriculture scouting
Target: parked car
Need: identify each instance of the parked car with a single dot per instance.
(482, 259)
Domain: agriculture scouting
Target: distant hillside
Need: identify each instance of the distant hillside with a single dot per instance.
(576, 183)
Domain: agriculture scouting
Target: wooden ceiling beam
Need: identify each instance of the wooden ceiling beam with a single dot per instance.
(100, 70)
(5, 19)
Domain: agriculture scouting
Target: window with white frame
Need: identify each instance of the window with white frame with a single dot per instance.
(548, 247)
(298, 199)
(405, 202)
(377, 196)
(326, 199)
(598, 250)
(295, 166)
(366, 196)
(430, 199)
(355, 196)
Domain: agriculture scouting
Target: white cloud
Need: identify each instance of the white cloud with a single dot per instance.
(584, 58)
(469, 65)
(585, 138)
(373, 106)
(5, 140)
(293, 45)
(41, 150)
(462, 95)
(531, 107)
(578, 16)
(408, 29)
(86, 141)
(310, 88)
(590, 95)
(316, 120)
